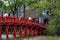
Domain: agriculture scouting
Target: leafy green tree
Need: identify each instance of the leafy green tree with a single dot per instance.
(54, 23)
(15, 4)
(36, 5)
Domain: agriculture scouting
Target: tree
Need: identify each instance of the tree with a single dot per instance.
(54, 23)
(1, 3)
(15, 4)
(33, 4)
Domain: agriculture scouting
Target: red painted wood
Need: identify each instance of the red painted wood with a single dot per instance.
(0, 31)
(14, 32)
(7, 30)
(28, 26)
(20, 30)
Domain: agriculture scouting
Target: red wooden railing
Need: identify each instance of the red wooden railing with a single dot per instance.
(30, 27)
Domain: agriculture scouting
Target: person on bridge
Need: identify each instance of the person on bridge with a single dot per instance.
(5, 14)
(30, 18)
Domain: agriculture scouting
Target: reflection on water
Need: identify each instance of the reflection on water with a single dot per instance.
(35, 38)
(25, 38)
(22, 38)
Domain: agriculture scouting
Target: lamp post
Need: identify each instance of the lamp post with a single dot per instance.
(24, 10)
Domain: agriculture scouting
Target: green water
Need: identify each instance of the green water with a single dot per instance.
(37, 38)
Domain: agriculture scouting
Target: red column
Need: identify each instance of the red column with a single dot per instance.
(36, 32)
(7, 28)
(41, 31)
(31, 32)
(0, 31)
(14, 32)
(20, 30)
(26, 31)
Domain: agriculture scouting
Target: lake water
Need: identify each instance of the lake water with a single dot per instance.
(31, 38)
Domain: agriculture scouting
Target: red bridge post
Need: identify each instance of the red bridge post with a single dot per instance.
(0, 31)
(20, 30)
(7, 30)
(26, 32)
(41, 31)
(14, 32)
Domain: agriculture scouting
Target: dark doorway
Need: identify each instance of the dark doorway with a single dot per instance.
(46, 21)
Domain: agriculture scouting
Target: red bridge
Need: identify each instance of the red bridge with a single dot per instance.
(26, 27)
